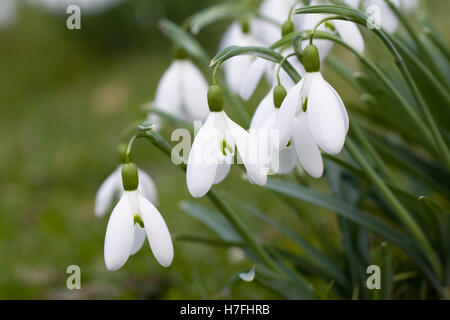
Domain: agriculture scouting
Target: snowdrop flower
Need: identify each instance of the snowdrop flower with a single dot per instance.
(133, 219)
(182, 90)
(214, 146)
(313, 115)
(347, 30)
(388, 19)
(281, 161)
(238, 34)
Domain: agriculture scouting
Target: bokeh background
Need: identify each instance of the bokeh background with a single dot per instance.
(65, 98)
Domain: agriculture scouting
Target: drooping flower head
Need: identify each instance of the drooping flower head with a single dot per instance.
(182, 90)
(133, 219)
(214, 146)
(313, 115)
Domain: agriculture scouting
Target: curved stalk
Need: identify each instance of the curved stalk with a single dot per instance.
(358, 17)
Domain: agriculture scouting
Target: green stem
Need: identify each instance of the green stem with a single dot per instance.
(373, 153)
(438, 85)
(409, 109)
(311, 37)
(428, 33)
(402, 213)
(419, 42)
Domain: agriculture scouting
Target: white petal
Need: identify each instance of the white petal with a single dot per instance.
(252, 77)
(349, 32)
(326, 119)
(139, 238)
(288, 109)
(222, 172)
(353, 3)
(246, 145)
(263, 111)
(203, 159)
(105, 194)
(119, 235)
(324, 46)
(287, 160)
(194, 92)
(248, 276)
(147, 187)
(168, 93)
(307, 150)
(157, 233)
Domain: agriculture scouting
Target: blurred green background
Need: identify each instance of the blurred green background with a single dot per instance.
(65, 97)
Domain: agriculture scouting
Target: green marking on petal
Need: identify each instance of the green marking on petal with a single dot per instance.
(305, 105)
(138, 220)
(330, 26)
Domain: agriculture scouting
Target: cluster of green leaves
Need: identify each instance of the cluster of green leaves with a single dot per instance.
(389, 188)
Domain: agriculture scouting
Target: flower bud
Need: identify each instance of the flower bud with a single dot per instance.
(215, 98)
(279, 93)
(130, 177)
(123, 152)
(287, 27)
(311, 59)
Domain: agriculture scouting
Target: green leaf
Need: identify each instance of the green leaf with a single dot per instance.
(211, 219)
(261, 52)
(216, 12)
(183, 40)
(335, 205)
(322, 261)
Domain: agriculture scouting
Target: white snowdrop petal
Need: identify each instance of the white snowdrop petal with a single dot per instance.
(222, 171)
(307, 151)
(326, 120)
(106, 192)
(168, 92)
(350, 33)
(119, 235)
(147, 187)
(194, 92)
(287, 160)
(248, 276)
(139, 238)
(246, 145)
(252, 77)
(203, 159)
(263, 111)
(157, 233)
(288, 109)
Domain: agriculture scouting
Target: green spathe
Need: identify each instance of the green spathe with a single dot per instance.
(311, 59)
(279, 93)
(130, 177)
(287, 28)
(122, 152)
(215, 98)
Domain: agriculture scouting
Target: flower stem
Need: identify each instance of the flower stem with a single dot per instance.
(401, 211)
(419, 42)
